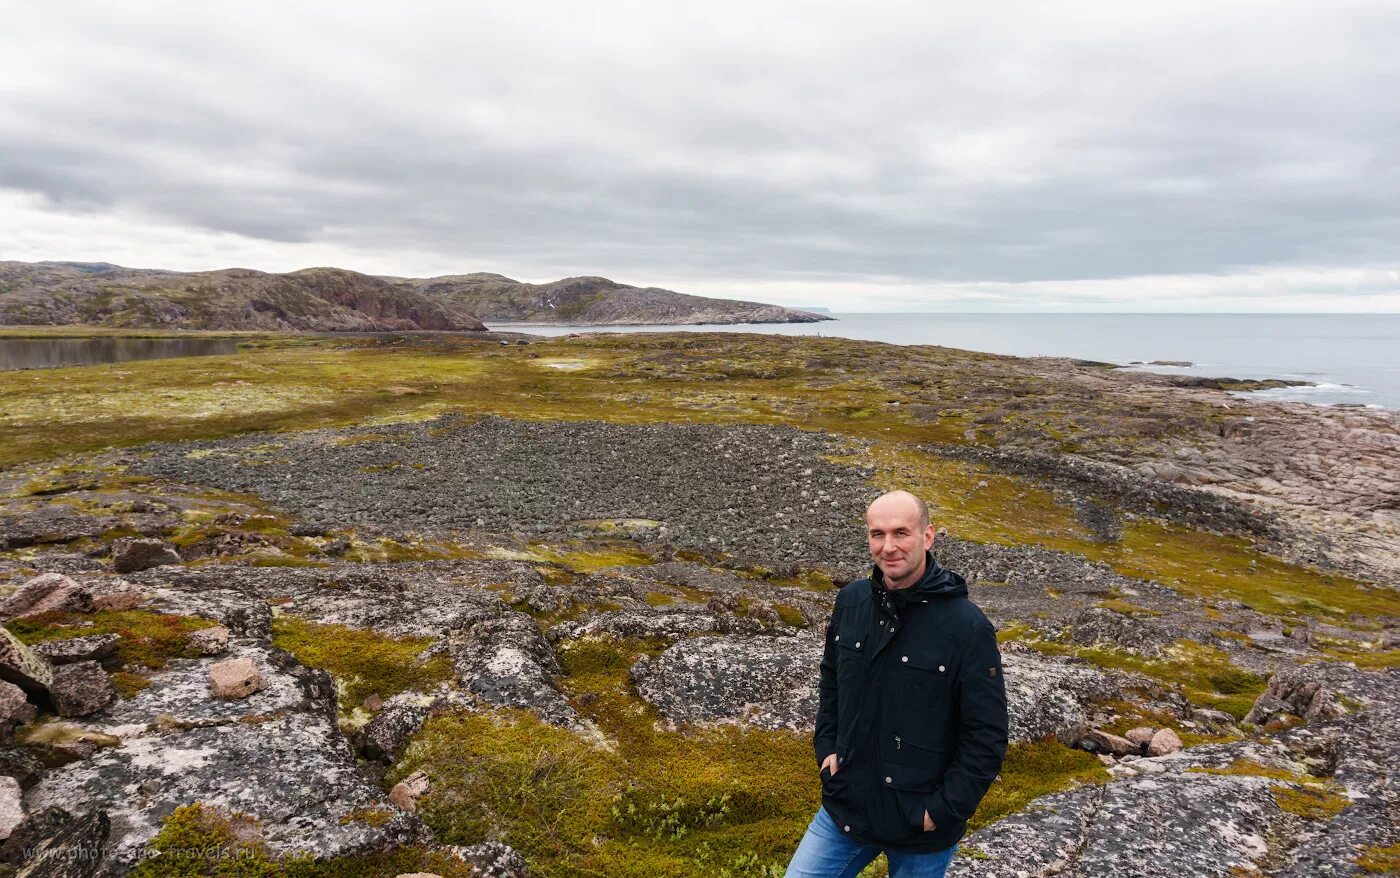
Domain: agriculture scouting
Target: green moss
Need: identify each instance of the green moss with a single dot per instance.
(148, 639)
(658, 599)
(790, 615)
(198, 840)
(1250, 768)
(1032, 770)
(1204, 674)
(1118, 605)
(1379, 860)
(1310, 802)
(702, 800)
(362, 662)
(128, 684)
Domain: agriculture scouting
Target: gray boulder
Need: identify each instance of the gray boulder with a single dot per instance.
(15, 711)
(44, 593)
(81, 689)
(1296, 692)
(131, 554)
(768, 682)
(92, 648)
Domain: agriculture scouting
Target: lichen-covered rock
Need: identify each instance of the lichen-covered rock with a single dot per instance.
(209, 641)
(669, 622)
(235, 678)
(1182, 824)
(81, 689)
(130, 554)
(92, 648)
(178, 695)
(22, 666)
(492, 859)
(294, 774)
(243, 614)
(20, 764)
(1046, 695)
(71, 847)
(15, 711)
(769, 682)
(507, 662)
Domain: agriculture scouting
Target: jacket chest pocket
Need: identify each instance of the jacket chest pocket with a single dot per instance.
(851, 657)
(920, 706)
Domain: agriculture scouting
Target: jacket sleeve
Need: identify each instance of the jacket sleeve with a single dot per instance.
(824, 738)
(982, 726)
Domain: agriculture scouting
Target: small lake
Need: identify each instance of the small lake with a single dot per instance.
(49, 353)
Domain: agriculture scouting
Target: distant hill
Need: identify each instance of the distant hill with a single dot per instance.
(591, 301)
(338, 300)
(314, 299)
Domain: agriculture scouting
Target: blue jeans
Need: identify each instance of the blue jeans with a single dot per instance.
(827, 852)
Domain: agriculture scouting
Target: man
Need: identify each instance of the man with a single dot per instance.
(911, 722)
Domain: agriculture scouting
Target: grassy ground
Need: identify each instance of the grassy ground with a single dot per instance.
(638, 799)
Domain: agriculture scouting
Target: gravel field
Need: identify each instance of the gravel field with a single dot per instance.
(759, 493)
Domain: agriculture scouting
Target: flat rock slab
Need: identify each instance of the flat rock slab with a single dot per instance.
(398, 600)
(294, 774)
(1147, 827)
(768, 682)
(179, 695)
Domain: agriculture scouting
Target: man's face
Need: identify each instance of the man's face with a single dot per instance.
(897, 543)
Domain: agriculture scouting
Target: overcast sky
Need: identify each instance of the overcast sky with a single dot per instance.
(1218, 155)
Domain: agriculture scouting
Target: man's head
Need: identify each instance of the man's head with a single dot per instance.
(898, 528)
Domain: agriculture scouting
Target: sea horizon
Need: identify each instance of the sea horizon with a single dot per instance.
(1347, 358)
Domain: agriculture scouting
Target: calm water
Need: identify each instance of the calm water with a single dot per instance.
(47, 353)
(1350, 358)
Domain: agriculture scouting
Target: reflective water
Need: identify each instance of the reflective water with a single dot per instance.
(48, 353)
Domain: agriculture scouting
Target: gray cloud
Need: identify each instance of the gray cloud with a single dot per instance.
(742, 143)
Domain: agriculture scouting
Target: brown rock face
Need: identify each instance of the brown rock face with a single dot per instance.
(81, 689)
(1297, 692)
(15, 711)
(131, 555)
(408, 791)
(22, 666)
(235, 678)
(1106, 742)
(1164, 742)
(46, 592)
(1140, 735)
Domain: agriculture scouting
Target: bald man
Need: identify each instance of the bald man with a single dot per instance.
(911, 723)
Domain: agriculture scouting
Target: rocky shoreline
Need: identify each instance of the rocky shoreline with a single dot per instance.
(483, 645)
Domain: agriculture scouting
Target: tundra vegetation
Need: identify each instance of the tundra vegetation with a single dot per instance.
(1070, 493)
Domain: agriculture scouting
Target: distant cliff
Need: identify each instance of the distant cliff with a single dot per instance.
(592, 301)
(314, 299)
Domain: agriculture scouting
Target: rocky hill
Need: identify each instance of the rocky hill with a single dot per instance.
(314, 299)
(593, 301)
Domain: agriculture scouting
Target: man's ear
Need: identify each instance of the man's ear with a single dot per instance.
(928, 537)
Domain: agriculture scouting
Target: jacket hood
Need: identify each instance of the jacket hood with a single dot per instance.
(937, 581)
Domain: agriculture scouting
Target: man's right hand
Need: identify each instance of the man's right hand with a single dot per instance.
(829, 763)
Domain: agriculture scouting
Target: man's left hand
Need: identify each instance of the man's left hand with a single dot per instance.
(928, 823)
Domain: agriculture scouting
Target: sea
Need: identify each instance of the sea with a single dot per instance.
(1348, 359)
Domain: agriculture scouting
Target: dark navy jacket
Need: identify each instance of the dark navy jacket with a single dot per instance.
(913, 703)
